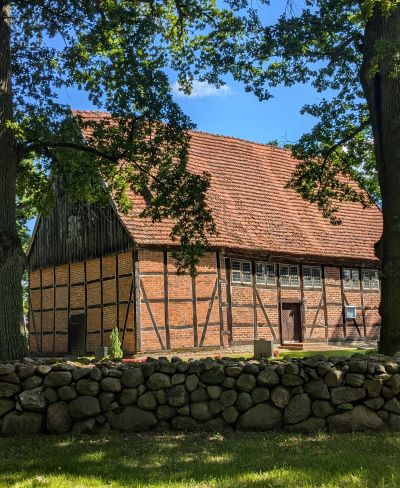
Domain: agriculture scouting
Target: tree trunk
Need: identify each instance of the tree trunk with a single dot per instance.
(12, 261)
(380, 77)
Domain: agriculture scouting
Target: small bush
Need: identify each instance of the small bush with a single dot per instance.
(114, 345)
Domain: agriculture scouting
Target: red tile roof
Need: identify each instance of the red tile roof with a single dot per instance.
(253, 210)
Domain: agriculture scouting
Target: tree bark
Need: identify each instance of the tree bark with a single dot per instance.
(12, 260)
(380, 78)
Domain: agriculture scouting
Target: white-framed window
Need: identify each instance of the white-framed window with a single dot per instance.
(240, 271)
(351, 278)
(370, 279)
(312, 277)
(289, 275)
(265, 274)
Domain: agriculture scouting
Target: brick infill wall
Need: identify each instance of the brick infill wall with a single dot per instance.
(309, 395)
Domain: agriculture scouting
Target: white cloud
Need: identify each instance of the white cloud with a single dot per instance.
(201, 89)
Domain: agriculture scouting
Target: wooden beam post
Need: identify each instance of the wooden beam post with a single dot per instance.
(54, 309)
(302, 306)
(324, 301)
(253, 283)
(117, 288)
(86, 318)
(229, 299)
(194, 311)
(220, 311)
(136, 301)
(279, 304)
(166, 302)
(362, 304)
(344, 301)
(41, 310)
(68, 303)
(101, 305)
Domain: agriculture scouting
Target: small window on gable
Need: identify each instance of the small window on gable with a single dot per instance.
(370, 279)
(265, 274)
(289, 275)
(351, 279)
(312, 277)
(240, 271)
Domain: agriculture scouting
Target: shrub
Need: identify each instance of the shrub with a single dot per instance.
(114, 345)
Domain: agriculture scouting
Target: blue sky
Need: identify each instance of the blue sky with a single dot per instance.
(233, 112)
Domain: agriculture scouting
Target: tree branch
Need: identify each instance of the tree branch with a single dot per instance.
(345, 139)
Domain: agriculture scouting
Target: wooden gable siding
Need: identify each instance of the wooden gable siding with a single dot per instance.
(75, 232)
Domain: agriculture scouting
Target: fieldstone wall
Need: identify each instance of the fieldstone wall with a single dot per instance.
(310, 395)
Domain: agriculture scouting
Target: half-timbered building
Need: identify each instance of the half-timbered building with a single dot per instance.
(276, 269)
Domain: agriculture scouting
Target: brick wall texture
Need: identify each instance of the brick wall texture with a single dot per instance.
(202, 311)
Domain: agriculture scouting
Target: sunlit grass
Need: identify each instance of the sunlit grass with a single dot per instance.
(115, 460)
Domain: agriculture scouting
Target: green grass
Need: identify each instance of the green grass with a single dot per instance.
(201, 460)
(304, 354)
(328, 354)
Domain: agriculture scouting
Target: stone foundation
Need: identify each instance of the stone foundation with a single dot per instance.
(310, 395)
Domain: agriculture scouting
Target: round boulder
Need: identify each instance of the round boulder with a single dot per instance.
(58, 420)
(262, 417)
(112, 385)
(83, 407)
(87, 387)
(298, 409)
(158, 381)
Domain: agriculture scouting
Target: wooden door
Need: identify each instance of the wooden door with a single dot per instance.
(76, 334)
(291, 322)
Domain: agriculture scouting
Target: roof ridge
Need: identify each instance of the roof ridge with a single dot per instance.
(98, 113)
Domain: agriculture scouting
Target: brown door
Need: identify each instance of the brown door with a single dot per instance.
(76, 334)
(291, 322)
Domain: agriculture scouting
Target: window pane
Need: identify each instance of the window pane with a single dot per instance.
(236, 265)
(374, 280)
(316, 275)
(294, 276)
(366, 280)
(346, 278)
(246, 272)
(355, 276)
(307, 278)
(236, 277)
(284, 275)
(270, 272)
(260, 274)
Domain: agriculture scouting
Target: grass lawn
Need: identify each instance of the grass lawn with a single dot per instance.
(304, 354)
(201, 460)
(328, 354)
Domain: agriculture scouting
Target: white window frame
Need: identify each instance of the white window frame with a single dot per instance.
(264, 274)
(370, 288)
(241, 262)
(312, 285)
(297, 284)
(353, 285)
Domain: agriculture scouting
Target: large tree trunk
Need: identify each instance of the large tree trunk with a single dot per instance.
(12, 261)
(380, 77)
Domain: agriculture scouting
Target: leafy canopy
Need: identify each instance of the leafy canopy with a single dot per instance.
(118, 52)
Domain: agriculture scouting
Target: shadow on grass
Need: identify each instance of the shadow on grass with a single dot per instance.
(236, 460)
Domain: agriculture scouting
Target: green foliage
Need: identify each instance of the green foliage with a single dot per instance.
(118, 52)
(114, 345)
